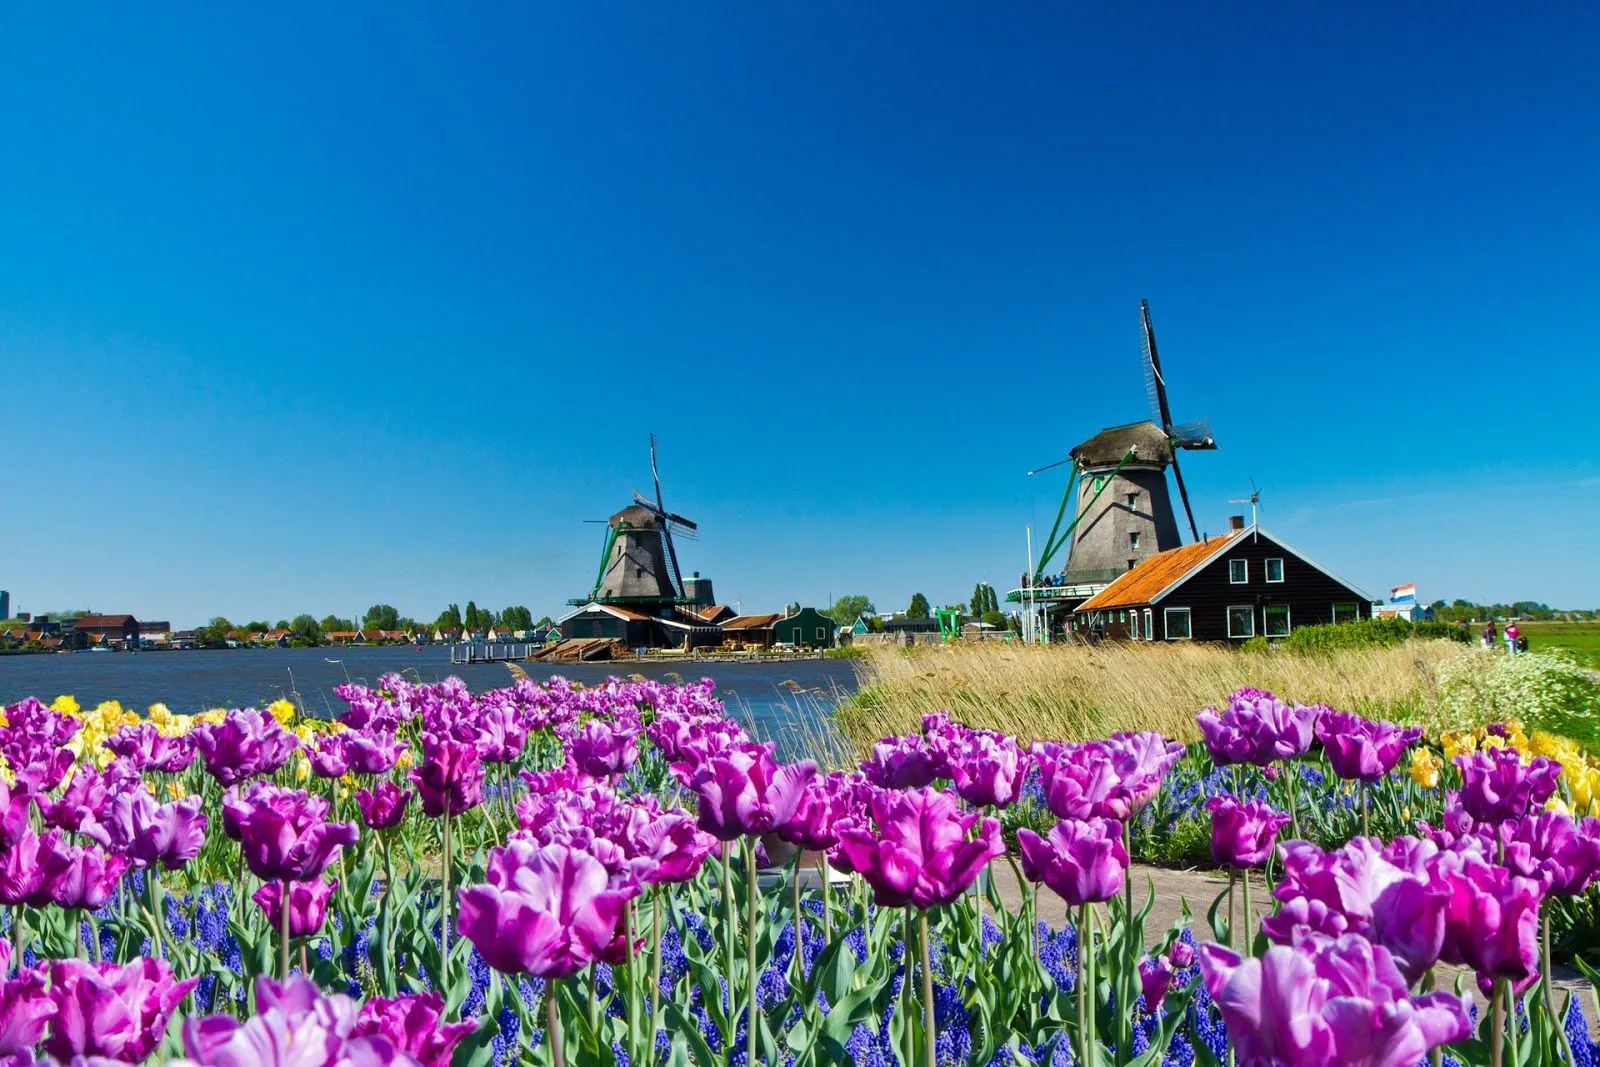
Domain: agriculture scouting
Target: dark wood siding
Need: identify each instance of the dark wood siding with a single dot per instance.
(1309, 593)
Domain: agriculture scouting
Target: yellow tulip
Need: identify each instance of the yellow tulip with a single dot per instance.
(282, 710)
(1425, 767)
(65, 704)
(1556, 804)
(1457, 743)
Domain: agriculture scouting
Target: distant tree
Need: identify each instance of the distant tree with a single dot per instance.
(259, 626)
(847, 609)
(219, 628)
(517, 617)
(474, 617)
(283, 624)
(381, 617)
(919, 607)
(995, 618)
(544, 621)
(304, 630)
(792, 609)
(333, 623)
(408, 624)
(984, 599)
(449, 618)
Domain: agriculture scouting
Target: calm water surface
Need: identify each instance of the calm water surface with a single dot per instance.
(777, 699)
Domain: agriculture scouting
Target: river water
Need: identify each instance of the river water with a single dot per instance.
(780, 701)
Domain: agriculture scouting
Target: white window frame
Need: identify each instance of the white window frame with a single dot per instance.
(1244, 566)
(1266, 569)
(1288, 623)
(1251, 608)
(1353, 605)
(1188, 624)
(822, 633)
(1133, 625)
(1149, 625)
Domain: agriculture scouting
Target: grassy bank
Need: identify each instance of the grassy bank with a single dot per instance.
(1072, 691)
(1582, 639)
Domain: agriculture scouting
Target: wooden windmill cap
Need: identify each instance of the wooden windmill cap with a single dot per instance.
(1106, 448)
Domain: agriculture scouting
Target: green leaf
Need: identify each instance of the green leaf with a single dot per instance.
(1219, 925)
(682, 1025)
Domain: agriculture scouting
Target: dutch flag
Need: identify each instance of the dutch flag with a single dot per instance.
(1401, 594)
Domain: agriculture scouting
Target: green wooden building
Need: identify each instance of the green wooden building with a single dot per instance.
(808, 628)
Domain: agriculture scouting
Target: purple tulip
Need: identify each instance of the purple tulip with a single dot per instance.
(450, 776)
(1496, 787)
(1552, 848)
(1155, 978)
(414, 1025)
(919, 854)
(80, 805)
(118, 1011)
(73, 876)
(674, 845)
(1182, 955)
(242, 746)
(146, 749)
(384, 805)
(745, 791)
(1083, 860)
(329, 757)
(284, 833)
(602, 749)
(373, 751)
(1386, 894)
(1145, 757)
(1242, 835)
(501, 733)
(908, 762)
(1491, 920)
(545, 911)
(25, 1010)
(295, 1025)
(1090, 780)
(30, 722)
(20, 875)
(308, 904)
(1360, 748)
(987, 768)
(150, 834)
(1325, 1002)
(38, 768)
(823, 802)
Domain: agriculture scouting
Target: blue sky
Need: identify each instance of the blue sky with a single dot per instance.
(307, 309)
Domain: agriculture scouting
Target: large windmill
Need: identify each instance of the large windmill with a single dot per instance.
(639, 564)
(1122, 511)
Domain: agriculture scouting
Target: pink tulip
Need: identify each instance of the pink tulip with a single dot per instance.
(1496, 787)
(150, 834)
(744, 790)
(1327, 1002)
(118, 1011)
(603, 750)
(25, 1010)
(414, 1025)
(1362, 749)
(73, 876)
(1242, 834)
(1491, 920)
(284, 833)
(987, 768)
(545, 911)
(384, 805)
(918, 854)
(308, 904)
(1083, 861)
(449, 776)
(1155, 978)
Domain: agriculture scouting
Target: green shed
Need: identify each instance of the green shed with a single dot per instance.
(808, 627)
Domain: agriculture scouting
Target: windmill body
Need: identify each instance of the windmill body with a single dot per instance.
(637, 568)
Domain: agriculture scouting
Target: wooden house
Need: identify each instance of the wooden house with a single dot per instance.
(116, 631)
(806, 628)
(751, 631)
(1242, 584)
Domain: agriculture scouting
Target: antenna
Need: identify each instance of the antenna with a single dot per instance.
(1254, 500)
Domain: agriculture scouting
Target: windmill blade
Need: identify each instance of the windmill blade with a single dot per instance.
(1154, 382)
(1183, 493)
(655, 473)
(679, 520)
(1049, 466)
(1194, 434)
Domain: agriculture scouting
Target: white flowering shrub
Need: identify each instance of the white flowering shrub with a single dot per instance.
(1547, 690)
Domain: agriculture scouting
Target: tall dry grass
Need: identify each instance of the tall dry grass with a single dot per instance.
(1072, 692)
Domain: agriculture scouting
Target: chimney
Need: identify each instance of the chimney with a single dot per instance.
(1235, 522)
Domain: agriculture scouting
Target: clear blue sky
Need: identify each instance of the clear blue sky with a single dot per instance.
(316, 307)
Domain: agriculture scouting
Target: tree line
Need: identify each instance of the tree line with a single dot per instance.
(984, 606)
(307, 630)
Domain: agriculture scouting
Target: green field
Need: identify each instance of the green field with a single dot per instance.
(1581, 638)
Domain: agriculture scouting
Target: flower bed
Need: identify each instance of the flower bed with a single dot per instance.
(618, 874)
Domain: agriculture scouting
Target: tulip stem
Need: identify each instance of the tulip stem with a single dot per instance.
(1244, 937)
(17, 936)
(908, 1050)
(929, 1030)
(552, 1024)
(795, 968)
(750, 949)
(1290, 772)
(283, 932)
(727, 913)
(827, 898)
(1549, 990)
(1233, 885)
(655, 965)
(444, 907)
(1366, 819)
(153, 885)
(1497, 1045)
(94, 933)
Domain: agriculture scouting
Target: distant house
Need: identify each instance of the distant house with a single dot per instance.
(1242, 584)
(182, 639)
(280, 638)
(903, 625)
(715, 613)
(343, 637)
(751, 631)
(114, 631)
(154, 632)
(860, 626)
(806, 628)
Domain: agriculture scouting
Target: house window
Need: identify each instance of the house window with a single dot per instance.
(1149, 625)
(821, 633)
(1242, 621)
(1122, 616)
(1176, 621)
(1275, 570)
(1133, 626)
(1238, 571)
(1133, 540)
(1346, 612)
(1277, 620)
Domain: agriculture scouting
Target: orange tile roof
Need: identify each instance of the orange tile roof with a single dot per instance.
(1153, 575)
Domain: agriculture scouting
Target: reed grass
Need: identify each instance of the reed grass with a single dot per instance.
(1075, 692)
